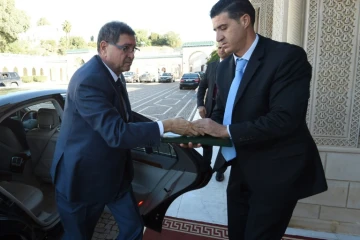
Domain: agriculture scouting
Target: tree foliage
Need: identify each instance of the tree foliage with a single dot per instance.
(142, 38)
(170, 39)
(13, 21)
(42, 22)
(213, 57)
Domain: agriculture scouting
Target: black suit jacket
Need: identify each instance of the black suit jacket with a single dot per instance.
(277, 158)
(208, 84)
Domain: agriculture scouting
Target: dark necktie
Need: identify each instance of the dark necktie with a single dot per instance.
(125, 98)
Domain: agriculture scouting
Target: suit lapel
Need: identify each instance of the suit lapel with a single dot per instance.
(251, 68)
(228, 75)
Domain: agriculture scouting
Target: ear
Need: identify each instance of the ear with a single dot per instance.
(246, 21)
(103, 47)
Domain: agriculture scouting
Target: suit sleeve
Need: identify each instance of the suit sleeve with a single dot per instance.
(288, 100)
(219, 109)
(204, 84)
(94, 106)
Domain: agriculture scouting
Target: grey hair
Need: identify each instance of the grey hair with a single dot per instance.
(111, 32)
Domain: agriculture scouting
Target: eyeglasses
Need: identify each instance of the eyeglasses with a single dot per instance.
(125, 48)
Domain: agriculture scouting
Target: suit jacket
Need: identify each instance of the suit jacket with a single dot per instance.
(92, 160)
(277, 159)
(208, 84)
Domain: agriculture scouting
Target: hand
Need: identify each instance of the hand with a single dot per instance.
(190, 145)
(210, 127)
(179, 126)
(202, 111)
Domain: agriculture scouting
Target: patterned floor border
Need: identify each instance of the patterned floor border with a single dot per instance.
(208, 230)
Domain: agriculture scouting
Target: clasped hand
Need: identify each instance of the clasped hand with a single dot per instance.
(195, 128)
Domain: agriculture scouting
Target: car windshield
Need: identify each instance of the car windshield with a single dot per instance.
(190, 75)
(128, 73)
(166, 74)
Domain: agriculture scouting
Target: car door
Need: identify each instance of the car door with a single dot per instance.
(161, 174)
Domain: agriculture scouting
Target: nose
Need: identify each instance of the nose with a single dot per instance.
(219, 36)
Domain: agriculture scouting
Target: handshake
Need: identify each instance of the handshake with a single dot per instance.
(195, 128)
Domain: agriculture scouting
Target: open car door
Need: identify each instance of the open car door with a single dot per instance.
(161, 174)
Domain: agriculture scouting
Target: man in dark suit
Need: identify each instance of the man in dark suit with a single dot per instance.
(205, 110)
(92, 164)
(262, 101)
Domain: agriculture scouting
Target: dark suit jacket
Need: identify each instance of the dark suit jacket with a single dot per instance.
(92, 159)
(277, 158)
(208, 84)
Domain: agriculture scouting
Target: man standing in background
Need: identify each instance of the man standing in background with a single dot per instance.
(205, 109)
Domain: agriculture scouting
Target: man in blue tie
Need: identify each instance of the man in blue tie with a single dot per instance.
(261, 105)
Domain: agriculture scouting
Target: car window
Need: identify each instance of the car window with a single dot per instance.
(191, 75)
(36, 107)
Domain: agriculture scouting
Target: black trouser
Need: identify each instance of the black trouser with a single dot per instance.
(207, 155)
(251, 219)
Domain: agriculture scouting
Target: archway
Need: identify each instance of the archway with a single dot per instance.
(34, 72)
(197, 61)
(16, 70)
(25, 72)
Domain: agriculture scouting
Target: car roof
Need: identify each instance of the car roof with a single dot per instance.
(13, 96)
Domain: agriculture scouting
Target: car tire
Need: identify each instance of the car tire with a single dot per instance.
(14, 85)
(181, 87)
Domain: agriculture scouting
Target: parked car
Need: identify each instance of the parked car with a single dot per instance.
(147, 77)
(189, 80)
(167, 77)
(131, 77)
(10, 79)
(202, 75)
(28, 138)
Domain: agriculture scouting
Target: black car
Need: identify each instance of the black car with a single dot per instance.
(167, 77)
(202, 75)
(27, 202)
(10, 79)
(189, 80)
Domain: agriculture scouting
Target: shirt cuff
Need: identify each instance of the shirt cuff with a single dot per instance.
(228, 130)
(161, 127)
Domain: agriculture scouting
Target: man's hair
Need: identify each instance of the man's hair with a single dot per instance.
(111, 32)
(234, 8)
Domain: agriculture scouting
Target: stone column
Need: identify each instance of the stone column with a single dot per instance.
(296, 21)
(280, 20)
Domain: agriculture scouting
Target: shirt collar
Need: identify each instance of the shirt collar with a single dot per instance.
(250, 51)
(112, 73)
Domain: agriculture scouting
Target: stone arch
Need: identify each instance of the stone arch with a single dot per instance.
(197, 61)
(25, 72)
(5, 69)
(33, 71)
(41, 72)
(16, 70)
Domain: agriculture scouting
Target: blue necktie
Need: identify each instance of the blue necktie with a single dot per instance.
(229, 153)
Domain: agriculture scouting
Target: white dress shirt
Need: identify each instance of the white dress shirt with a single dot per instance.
(115, 77)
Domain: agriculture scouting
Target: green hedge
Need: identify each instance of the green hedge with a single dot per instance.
(40, 78)
(27, 79)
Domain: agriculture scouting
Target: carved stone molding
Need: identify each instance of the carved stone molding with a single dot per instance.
(265, 17)
(333, 51)
(279, 19)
